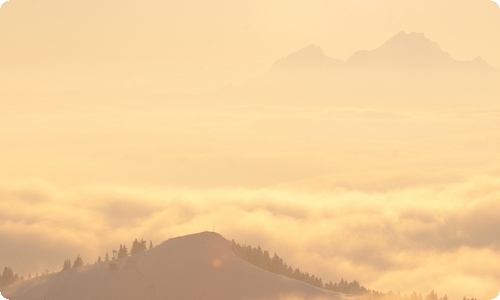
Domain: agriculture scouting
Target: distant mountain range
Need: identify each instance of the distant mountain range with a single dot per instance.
(311, 56)
(404, 50)
(193, 267)
(407, 71)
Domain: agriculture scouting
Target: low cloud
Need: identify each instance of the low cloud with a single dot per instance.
(409, 239)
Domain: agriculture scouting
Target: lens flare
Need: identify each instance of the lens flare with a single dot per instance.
(216, 263)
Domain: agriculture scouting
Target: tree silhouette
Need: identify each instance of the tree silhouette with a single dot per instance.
(8, 276)
(78, 262)
(66, 265)
(431, 296)
(122, 252)
(261, 258)
(138, 247)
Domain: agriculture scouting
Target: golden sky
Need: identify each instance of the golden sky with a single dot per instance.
(151, 119)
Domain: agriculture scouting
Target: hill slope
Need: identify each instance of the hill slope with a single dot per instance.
(198, 266)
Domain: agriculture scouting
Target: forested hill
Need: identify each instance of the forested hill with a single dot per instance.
(193, 248)
(275, 264)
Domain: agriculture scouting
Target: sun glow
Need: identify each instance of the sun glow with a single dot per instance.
(216, 263)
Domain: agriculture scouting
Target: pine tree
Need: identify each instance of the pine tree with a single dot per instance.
(150, 245)
(122, 252)
(66, 265)
(78, 262)
(8, 276)
(431, 296)
(138, 247)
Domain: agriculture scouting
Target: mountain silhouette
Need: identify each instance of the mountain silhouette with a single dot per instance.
(407, 71)
(310, 57)
(403, 50)
(197, 266)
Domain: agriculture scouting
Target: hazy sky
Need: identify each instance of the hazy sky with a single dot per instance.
(151, 119)
(170, 46)
(3, 1)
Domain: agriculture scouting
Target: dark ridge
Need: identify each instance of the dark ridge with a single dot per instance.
(275, 264)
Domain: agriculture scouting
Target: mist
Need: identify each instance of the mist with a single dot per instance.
(404, 234)
(356, 140)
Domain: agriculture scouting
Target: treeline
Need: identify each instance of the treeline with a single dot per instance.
(8, 276)
(256, 256)
(346, 287)
(136, 248)
(275, 264)
(374, 295)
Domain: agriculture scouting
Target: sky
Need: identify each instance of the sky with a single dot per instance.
(155, 119)
(3, 1)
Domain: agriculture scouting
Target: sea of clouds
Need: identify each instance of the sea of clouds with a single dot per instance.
(409, 239)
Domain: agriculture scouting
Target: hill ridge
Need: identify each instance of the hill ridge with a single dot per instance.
(191, 267)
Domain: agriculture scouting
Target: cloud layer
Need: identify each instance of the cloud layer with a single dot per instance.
(95, 151)
(401, 200)
(408, 239)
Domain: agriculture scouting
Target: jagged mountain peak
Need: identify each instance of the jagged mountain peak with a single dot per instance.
(311, 56)
(404, 50)
(410, 36)
(414, 42)
(479, 62)
(311, 50)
